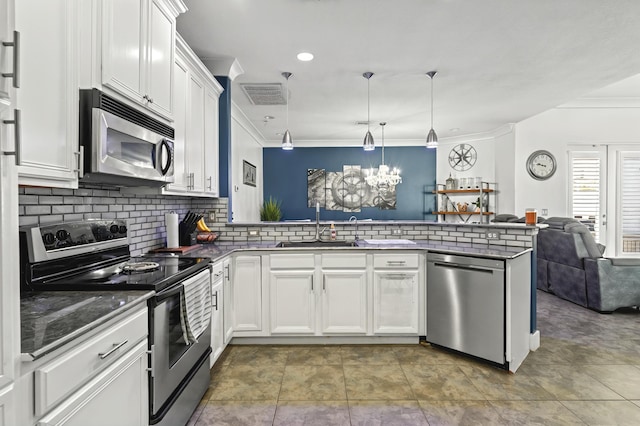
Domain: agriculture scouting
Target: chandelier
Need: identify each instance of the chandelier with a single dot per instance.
(385, 176)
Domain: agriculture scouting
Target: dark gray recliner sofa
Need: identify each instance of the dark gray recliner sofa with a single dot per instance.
(571, 266)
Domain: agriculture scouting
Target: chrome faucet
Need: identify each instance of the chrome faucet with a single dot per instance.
(354, 219)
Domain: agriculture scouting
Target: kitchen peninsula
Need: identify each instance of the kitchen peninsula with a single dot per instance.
(376, 291)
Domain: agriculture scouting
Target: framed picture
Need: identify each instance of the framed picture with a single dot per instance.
(248, 173)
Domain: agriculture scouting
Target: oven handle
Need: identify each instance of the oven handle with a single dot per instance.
(165, 294)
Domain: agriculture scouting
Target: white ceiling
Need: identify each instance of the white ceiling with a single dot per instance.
(498, 61)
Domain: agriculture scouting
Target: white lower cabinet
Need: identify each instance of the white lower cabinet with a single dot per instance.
(292, 301)
(344, 293)
(246, 293)
(395, 302)
(114, 397)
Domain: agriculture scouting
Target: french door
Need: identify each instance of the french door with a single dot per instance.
(605, 195)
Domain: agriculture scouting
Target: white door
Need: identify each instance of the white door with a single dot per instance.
(292, 302)
(624, 170)
(227, 312)
(195, 133)
(395, 302)
(217, 327)
(160, 53)
(211, 137)
(246, 293)
(344, 302)
(588, 189)
(123, 53)
(181, 178)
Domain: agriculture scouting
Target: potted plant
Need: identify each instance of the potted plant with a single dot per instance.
(270, 210)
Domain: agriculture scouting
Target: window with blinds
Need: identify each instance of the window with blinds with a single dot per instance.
(585, 191)
(630, 203)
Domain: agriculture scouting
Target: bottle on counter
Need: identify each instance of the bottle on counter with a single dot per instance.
(333, 231)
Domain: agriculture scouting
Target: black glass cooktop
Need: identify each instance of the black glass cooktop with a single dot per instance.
(137, 273)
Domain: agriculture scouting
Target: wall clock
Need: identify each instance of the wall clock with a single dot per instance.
(462, 157)
(541, 165)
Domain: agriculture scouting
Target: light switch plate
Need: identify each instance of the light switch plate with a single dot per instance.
(544, 212)
(397, 231)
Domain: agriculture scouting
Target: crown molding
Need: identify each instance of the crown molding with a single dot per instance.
(228, 67)
(243, 121)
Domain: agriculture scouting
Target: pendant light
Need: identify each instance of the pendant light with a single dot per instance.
(385, 177)
(287, 142)
(432, 138)
(368, 144)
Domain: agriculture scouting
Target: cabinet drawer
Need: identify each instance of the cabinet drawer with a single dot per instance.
(292, 261)
(342, 260)
(396, 260)
(57, 379)
(216, 271)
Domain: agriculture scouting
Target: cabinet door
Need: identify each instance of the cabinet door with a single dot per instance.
(48, 93)
(117, 396)
(395, 302)
(211, 147)
(123, 52)
(292, 302)
(195, 133)
(344, 302)
(228, 310)
(217, 312)
(181, 178)
(160, 59)
(6, 406)
(246, 294)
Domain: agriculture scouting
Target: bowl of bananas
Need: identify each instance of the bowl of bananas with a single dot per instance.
(205, 235)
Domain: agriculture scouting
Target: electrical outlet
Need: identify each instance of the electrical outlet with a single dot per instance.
(544, 212)
(254, 232)
(396, 231)
(212, 216)
(492, 235)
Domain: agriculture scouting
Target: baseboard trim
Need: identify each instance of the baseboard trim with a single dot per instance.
(333, 340)
(534, 340)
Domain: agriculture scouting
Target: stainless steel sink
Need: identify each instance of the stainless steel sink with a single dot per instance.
(317, 243)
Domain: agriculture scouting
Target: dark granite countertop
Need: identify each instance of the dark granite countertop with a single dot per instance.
(51, 319)
(222, 248)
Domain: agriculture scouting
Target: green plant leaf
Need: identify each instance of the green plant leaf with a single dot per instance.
(270, 210)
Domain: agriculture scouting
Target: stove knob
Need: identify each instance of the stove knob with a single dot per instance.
(62, 235)
(123, 229)
(113, 229)
(48, 239)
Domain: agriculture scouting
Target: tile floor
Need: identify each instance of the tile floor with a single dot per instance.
(586, 371)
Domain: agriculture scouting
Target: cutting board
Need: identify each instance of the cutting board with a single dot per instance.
(180, 250)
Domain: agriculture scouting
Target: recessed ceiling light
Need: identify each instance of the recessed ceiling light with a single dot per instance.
(269, 117)
(279, 134)
(455, 129)
(305, 56)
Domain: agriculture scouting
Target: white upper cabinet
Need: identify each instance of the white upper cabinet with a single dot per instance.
(47, 100)
(138, 45)
(196, 118)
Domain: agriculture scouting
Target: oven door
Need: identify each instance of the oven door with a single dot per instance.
(172, 359)
(123, 148)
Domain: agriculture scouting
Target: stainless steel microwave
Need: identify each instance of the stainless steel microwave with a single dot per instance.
(123, 146)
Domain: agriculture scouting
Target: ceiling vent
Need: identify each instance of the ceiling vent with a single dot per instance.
(264, 93)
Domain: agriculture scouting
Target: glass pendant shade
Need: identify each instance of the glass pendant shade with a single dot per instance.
(368, 144)
(432, 139)
(287, 143)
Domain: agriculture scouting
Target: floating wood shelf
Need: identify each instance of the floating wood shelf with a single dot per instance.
(461, 191)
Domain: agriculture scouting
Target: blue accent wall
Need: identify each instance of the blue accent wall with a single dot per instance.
(224, 133)
(285, 178)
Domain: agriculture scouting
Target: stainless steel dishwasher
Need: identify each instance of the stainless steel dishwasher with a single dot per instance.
(466, 305)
